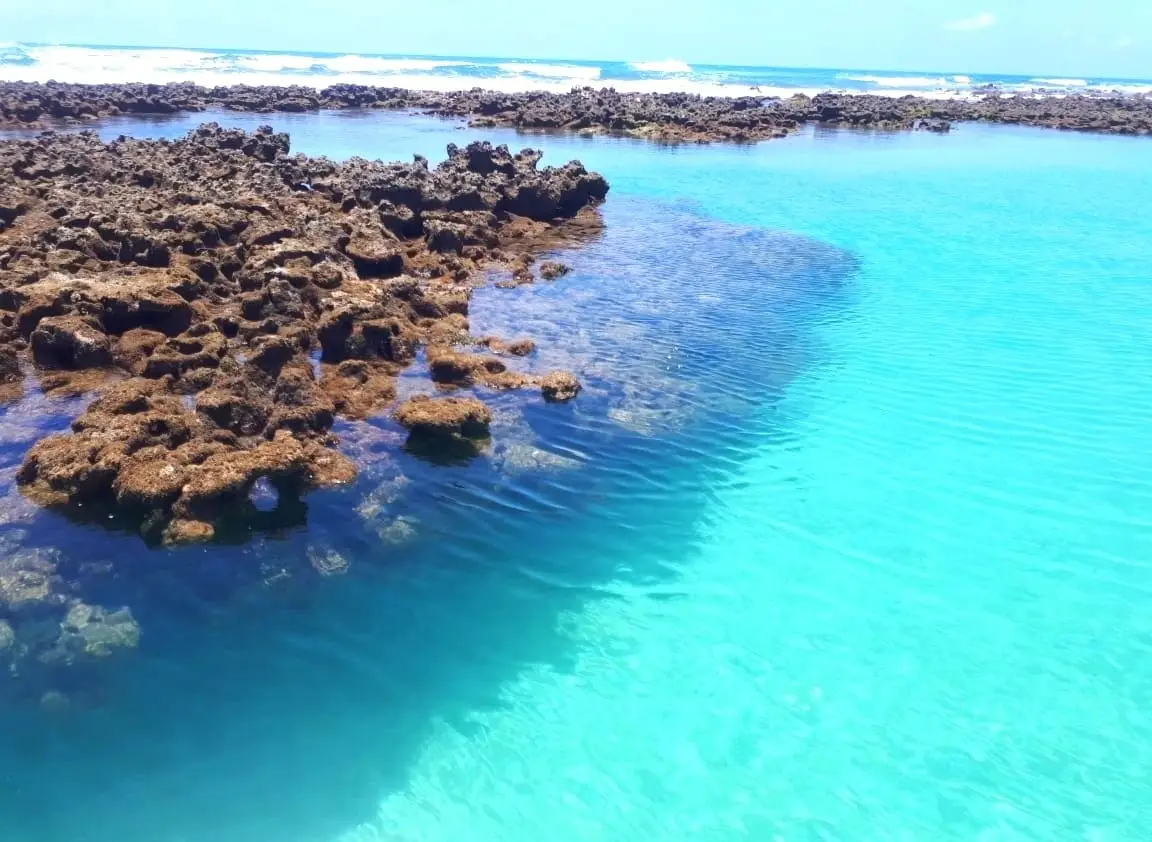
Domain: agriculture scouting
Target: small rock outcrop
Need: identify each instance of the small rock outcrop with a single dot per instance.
(451, 417)
(70, 342)
(560, 386)
(551, 270)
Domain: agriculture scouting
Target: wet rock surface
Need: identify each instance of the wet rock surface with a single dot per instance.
(235, 300)
(445, 430)
(671, 117)
(465, 417)
(560, 387)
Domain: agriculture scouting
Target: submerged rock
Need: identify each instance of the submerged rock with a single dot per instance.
(95, 632)
(28, 584)
(43, 626)
(55, 703)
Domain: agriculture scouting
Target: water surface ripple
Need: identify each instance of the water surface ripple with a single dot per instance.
(847, 537)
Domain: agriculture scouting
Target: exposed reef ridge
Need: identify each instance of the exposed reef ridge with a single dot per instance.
(231, 300)
(673, 117)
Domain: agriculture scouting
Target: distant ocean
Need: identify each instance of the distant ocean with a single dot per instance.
(32, 62)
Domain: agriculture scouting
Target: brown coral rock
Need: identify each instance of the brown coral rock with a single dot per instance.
(70, 342)
(208, 269)
(673, 117)
(515, 347)
(9, 366)
(359, 388)
(551, 270)
(559, 386)
(465, 417)
(453, 367)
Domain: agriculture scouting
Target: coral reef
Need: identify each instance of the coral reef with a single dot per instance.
(235, 299)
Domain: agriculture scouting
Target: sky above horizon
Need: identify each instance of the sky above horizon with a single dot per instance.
(1108, 38)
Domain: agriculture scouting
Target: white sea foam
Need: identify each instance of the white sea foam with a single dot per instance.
(559, 71)
(110, 65)
(275, 62)
(74, 64)
(910, 81)
(668, 66)
(210, 69)
(372, 64)
(1125, 89)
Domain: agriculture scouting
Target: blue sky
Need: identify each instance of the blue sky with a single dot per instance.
(1053, 37)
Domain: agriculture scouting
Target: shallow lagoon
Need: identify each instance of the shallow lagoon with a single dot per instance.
(845, 539)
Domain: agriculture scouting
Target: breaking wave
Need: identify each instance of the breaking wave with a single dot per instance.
(42, 63)
(669, 66)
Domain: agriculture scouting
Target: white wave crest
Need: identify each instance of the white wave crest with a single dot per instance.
(1063, 83)
(669, 66)
(910, 81)
(372, 64)
(1124, 89)
(555, 71)
(120, 65)
(275, 62)
(81, 64)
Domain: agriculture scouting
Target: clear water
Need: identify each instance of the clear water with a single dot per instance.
(91, 64)
(848, 538)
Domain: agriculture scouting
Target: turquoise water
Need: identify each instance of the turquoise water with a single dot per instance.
(847, 539)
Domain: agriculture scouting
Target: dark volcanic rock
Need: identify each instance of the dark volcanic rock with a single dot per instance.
(70, 342)
(671, 117)
(551, 270)
(202, 270)
(9, 366)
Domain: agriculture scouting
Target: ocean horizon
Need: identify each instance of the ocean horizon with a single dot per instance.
(210, 67)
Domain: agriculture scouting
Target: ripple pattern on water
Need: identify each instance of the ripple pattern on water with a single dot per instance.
(446, 581)
(846, 539)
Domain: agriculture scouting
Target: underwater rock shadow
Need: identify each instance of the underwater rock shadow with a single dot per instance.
(290, 713)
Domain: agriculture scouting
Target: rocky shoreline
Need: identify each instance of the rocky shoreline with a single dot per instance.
(676, 117)
(223, 303)
(231, 301)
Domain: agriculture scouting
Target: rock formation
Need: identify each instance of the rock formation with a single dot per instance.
(236, 299)
(671, 117)
(560, 387)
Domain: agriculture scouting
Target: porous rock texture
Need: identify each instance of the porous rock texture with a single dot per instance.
(665, 117)
(207, 276)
